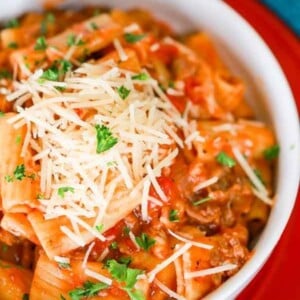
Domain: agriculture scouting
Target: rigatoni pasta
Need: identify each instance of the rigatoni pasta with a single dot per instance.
(131, 165)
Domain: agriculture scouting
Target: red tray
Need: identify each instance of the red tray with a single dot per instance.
(280, 277)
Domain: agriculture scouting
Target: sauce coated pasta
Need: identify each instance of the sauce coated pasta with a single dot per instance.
(131, 164)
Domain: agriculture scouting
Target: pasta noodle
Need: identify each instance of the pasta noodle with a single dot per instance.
(131, 166)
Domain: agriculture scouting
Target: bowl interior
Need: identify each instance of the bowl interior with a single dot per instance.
(267, 91)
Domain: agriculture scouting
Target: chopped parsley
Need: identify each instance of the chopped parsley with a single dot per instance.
(173, 215)
(123, 92)
(18, 140)
(64, 265)
(133, 38)
(62, 190)
(88, 289)
(40, 196)
(126, 230)
(114, 245)
(225, 160)
(13, 23)
(201, 201)
(19, 174)
(259, 176)
(51, 74)
(5, 74)
(272, 152)
(141, 76)
(64, 65)
(145, 241)
(72, 40)
(99, 227)
(105, 139)
(93, 26)
(2, 114)
(4, 248)
(122, 273)
(40, 43)
(25, 297)
(125, 260)
(49, 19)
(13, 45)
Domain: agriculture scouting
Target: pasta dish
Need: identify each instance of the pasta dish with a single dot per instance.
(131, 164)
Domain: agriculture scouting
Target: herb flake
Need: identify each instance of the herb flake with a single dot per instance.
(13, 23)
(105, 139)
(173, 215)
(72, 40)
(141, 77)
(123, 92)
(40, 43)
(145, 241)
(62, 190)
(201, 201)
(88, 289)
(133, 38)
(225, 160)
(271, 152)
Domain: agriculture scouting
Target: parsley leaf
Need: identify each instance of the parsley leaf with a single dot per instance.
(135, 294)
(64, 65)
(19, 172)
(122, 273)
(64, 265)
(272, 152)
(141, 76)
(49, 19)
(114, 245)
(51, 74)
(18, 140)
(201, 201)
(25, 297)
(62, 190)
(40, 43)
(105, 139)
(93, 26)
(99, 227)
(2, 114)
(13, 23)
(126, 260)
(72, 40)
(5, 74)
(123, 92)
(89, 289)
(173, 215)
(225, 160)
(133, 38)
(144, 241)
(13, 45)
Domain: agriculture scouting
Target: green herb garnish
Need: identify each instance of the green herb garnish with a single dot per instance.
(105, 139)
(145, 241)
(13, 45)
(49, 19)
(72, 40)
(18, 139)
(13, 23)
(25, 297)
(5, 74)
(62, 190)
(141, 76)
(133, 38)
(40, 43)
(93, 26)
(173, 215)
(18, 174)
(125, 260)
(51, 74)
(114, 245)
(201, 201)
(64, 265)
(2, 114)
(225, 160)
(123, 92)
(99, 227)
(272, 152)
(88, 289)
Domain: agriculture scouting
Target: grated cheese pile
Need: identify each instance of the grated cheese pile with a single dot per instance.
(61, 129)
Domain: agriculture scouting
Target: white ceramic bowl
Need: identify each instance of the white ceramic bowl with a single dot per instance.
(268, 92)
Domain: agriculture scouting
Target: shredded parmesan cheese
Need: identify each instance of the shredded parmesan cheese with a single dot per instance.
(201, 273)
(87, 254)
(169, 260)
(205, 184)
(168, 291)
(98, 276)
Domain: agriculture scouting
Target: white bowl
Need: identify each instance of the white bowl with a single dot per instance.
(268, 91)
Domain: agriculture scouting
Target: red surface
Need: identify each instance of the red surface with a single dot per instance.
(280, 277)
